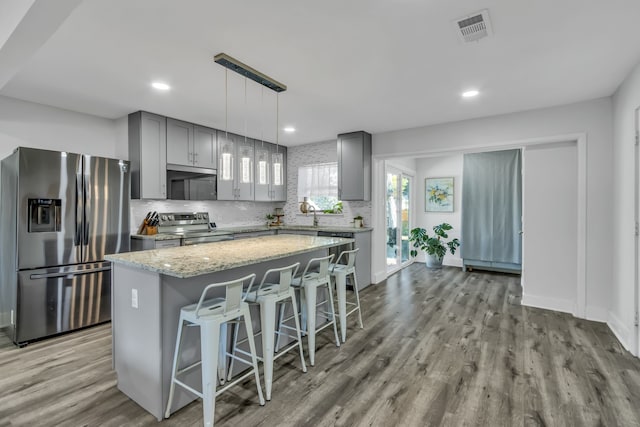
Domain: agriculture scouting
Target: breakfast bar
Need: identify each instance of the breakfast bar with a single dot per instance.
(150, 287)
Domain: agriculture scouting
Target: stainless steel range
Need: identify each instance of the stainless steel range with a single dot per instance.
(192, 227)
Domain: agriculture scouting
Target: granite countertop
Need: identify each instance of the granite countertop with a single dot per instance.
(158, 236)
(195, 260)
(224, 231)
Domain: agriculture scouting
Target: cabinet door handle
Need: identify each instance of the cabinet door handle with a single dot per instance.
(195, 158)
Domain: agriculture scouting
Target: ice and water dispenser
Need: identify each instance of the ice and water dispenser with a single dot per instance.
(44, 215)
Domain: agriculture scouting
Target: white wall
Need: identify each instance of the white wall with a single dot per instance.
(433, 167)
(594, 118)
(308, 154)
(621, 315)
(34, 125)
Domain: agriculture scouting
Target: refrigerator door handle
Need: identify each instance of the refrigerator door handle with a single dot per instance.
(68, 273)
(77, 240)
(87, 208)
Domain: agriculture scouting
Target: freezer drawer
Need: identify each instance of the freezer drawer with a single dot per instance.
(56, 300)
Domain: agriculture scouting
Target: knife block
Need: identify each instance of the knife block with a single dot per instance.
(150, 230)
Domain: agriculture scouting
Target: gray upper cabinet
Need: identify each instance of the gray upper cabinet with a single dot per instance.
(354, 166)
(270, 172)
(179, 142)
(205, 147)
(148, 155)
(235, 167)
(191, 145)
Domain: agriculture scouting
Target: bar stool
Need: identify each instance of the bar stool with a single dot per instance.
(267, 296)
(340, 273)
(210, 315)
(308, 284)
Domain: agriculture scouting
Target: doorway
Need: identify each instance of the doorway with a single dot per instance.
(398, 218)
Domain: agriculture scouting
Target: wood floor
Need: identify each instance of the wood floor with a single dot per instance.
(446, 348)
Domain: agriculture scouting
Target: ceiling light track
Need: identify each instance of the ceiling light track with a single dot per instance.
(249, 72)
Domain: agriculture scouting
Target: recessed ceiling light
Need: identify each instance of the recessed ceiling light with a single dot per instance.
(289, 129)
(470, 93)
(160, 86)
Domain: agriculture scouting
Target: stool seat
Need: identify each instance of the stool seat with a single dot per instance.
(270, 290)
(211, 316)
(210, 307)
(340, 273)
(267, 295)
(308, 284)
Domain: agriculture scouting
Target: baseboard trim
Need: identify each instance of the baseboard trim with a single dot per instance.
(453, 262)
(555, 304)
(379, 276)
(620, 331)
(597, 314)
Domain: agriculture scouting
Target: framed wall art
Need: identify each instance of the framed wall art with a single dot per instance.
(438, 194)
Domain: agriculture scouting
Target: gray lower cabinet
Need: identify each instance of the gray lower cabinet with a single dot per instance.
(301, 232)
(270, 172)
(191, 145)
(235, 167)
(148, 155)
(362, 241)
(237, 236)
(146, 244)
(354, 166)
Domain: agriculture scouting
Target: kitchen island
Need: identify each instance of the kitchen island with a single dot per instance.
(150, 287)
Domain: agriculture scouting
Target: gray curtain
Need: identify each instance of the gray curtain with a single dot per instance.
(492, 208)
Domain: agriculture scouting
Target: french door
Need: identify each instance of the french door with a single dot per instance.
(398, 218)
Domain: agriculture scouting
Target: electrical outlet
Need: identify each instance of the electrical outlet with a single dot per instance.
(134, 298)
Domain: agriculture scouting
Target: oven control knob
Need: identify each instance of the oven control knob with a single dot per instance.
(164, 217)
(170, 217)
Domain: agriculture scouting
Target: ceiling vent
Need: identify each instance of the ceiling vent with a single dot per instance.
(474, 27)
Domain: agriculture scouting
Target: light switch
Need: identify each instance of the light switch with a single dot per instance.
(134, 298)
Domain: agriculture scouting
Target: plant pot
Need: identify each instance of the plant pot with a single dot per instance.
(433, 262)
(357, 223)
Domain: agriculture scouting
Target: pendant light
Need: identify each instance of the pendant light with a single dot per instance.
(263, 169)
(226, 160)
(277, 158)
(246, 154)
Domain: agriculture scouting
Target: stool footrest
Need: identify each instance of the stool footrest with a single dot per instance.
(188, 368)
(282, 352)
(234, 382)
(185, 386)
(240, 359)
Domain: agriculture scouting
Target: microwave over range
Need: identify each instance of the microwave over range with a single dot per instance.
(191, 183)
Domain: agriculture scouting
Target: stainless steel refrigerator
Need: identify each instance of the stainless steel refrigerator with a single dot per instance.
(60, 214)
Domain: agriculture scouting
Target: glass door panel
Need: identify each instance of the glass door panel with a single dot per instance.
(405, 195)
(392, 221)
(398, 219)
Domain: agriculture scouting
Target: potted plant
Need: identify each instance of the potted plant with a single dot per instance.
(435, 246)
(270, 218)
(357, 221)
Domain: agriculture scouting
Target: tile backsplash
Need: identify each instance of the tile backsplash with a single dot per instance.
(223, 213)
(320, 152)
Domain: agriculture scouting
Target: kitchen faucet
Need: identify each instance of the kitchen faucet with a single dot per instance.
(315, 218)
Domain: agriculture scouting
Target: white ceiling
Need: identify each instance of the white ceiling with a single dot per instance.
(369, 65)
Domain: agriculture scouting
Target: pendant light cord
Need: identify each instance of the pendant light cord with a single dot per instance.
(226, 104)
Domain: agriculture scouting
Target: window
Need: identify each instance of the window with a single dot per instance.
(319, 183)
